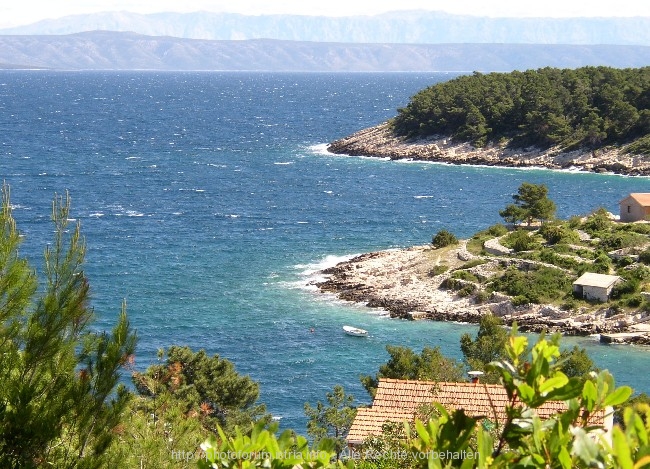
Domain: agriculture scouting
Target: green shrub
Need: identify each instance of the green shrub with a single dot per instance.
(444, 238)
(475, 244)
(520, 300)
(556, 233)
(597, 221)
(639, 272)
(574, 222)
(634, 301)
(472, 263)
(544, 285)
(644, 257)
(570, 304)
(481, 297)
(641, 228)
(622, 239)
(562, 248)
(465, 275)
(624, 261)
(497, 230)
(550, 257)
(627, 287)
(640, 146)
(602, 264)
(519, 241)
(451, 284)
(467, 290)
(438, 270)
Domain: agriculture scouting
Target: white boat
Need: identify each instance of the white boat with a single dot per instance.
(355, 331)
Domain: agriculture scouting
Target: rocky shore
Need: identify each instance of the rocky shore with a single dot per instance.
(379, 141)
(406, 283)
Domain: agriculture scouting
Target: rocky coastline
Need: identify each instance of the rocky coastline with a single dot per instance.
(404, 283)
(379, 141)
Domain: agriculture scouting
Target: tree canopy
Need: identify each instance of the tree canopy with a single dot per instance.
(570, 108)
(488, 346)
(404, 363)
(207, 387)
(332, 420)
(59, 400)
(531, 203)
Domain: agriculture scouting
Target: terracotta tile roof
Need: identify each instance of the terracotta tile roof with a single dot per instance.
(369, 421)
(642, 198)
(399, 401)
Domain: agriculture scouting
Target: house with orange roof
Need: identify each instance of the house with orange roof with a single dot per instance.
(635, 207)
(399, 401)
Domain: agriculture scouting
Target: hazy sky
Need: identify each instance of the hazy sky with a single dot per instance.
(19, 12)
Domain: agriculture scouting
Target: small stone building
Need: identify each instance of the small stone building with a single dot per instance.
(635, 207)
(591, 286)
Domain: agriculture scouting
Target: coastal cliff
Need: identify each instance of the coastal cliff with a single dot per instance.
(405, 283)
(380, 141)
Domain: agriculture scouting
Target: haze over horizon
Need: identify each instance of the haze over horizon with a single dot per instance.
(32, 11)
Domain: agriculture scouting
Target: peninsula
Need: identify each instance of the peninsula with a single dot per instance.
(382, 142)
(593, 119)
(525, 274)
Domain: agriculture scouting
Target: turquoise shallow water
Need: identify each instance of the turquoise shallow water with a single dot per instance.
(208, 202)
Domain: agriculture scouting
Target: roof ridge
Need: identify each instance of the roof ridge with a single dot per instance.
(438, 383)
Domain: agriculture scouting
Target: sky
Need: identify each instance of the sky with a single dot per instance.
(21, 12)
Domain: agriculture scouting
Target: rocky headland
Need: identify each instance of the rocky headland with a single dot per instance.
(406, 283)
(380, 141)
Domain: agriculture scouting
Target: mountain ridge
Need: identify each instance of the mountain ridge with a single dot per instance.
(106, 50)
(403, 27)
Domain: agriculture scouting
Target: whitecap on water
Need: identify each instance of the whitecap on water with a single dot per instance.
(320, 149)
(324, 263)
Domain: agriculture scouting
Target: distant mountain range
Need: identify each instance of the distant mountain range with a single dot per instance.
(102, 50)
(404, 27)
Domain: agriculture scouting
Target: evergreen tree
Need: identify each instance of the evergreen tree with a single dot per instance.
(208, 387)
(531, 203)
(576, 363)
(443, 238)
(59, 399)
(488, 346)
(332, 420)
(404, 363)
(586, 108)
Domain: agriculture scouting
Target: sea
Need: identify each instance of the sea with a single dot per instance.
(209, 203)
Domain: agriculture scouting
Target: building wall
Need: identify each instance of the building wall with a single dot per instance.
(595, 293)
(630, 210)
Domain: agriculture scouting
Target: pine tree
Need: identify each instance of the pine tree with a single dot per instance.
(332, 420)
(60, 398)
(209, 388)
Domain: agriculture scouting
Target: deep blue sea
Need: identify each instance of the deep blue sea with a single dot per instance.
(208, 202)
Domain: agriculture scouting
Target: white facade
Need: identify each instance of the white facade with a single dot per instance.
(598, 287)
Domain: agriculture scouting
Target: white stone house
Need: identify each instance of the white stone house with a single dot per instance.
(591, 286)
(635, 207)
